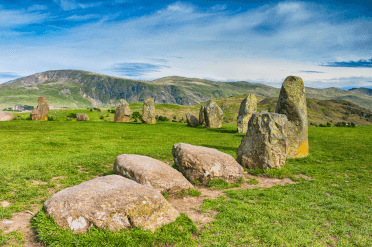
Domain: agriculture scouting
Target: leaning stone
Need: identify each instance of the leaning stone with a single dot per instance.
(82, 117)
(292, 103)
(247, 107)
(213, 115)
(42, 110)
(201, 116)
(111, 202)
(122, 113)
(192, 120)
(6, 116)
(265, 144)
(202, 164)
(148, 112)
(151, 173)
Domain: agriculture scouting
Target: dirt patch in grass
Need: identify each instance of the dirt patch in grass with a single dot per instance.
(191, 205)
(302, 176)
(20, 222)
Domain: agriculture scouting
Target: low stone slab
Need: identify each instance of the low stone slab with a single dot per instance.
(151, 173)
(112, 202)
(202, 164)
(6, 116)
(192, 120)
(265, 144)
(82, 117)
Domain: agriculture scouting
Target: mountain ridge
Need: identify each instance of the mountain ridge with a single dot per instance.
(81, 89)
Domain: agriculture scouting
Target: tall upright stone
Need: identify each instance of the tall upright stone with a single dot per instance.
(42, 110)
(213, 115)
(247, 107)
(265, 144)
(122, 113)
(148, 112)
(292, 103)
(201, 116)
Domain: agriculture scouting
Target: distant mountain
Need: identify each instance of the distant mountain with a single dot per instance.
(82, 89)
(362, 90)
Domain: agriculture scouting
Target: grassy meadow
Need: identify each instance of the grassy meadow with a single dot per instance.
(334, 208)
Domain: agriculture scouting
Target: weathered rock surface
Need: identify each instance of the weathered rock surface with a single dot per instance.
(213, 115)
(148, 112)
(112, 202)
(201, 116)
(202, 164)
(6, 116)
(82, 117)
(42, 110)
(292, 103)
(122, 113)
(151, 173)
(192, 120)
(265, 144)
(247, 107)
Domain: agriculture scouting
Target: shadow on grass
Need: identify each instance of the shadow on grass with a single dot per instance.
(230, 131)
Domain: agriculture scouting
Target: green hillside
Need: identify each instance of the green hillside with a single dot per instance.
(82, 89)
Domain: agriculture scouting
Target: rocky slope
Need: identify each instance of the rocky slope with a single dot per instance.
(81, 89)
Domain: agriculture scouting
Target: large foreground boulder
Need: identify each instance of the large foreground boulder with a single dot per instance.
(148, 112)
(265, 144)
(247, 107)
(112, 202)
(292, 103)
(42, 110)
(122, 113)
(151, 173)
(6, 116)
(213, 115)
(192, 120)
(202, 164)
(82, 117)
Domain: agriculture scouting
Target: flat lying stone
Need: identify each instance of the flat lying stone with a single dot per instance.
(82, 117)
(6, 116)
(112, 202)
(151, 173)
(203, 164)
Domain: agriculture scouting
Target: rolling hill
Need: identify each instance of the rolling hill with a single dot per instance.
(82, 89)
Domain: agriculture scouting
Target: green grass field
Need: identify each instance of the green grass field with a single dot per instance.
(332, 209)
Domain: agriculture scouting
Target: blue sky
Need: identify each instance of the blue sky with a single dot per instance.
(328, 43)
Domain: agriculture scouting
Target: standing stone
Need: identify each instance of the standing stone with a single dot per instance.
(201, 116)
(122, 113)
(265, 144)
(292, 103)
(6, 116)
(203, 164)
(151, 173)
(112, 202)
(82, 117)
(192, 120)
(148, 112)
(213, 115)
(247, 107)
(42, 110)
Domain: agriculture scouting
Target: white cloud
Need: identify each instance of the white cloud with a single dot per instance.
(13, 18)
(82, 17)
(37, 7)
(265, 44)
(72, 4)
